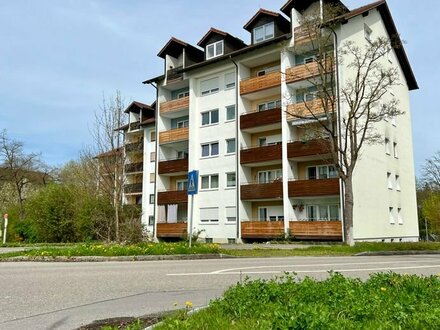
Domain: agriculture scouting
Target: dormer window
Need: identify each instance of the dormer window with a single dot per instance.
(215, 49)
(264, 32)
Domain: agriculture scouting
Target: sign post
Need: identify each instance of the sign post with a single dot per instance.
(5, 216)
(192, 190)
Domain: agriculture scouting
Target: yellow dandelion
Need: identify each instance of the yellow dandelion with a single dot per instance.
(188, 304)
(383, 289)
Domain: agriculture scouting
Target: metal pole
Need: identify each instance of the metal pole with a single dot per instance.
(426, 230)
(6, 228)
(191, 220)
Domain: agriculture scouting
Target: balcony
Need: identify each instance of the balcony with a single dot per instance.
(260, 118)
(308, 149)
(175, 166)
(314, 188)
(134, 168)
(174, 105)
(318, 230)
(310, 109)
(172, 230)
(172, 197)
(307, 71)
(173, 76)
(134, 188)
(134, 147)
(303, 34)
(258, 191)
(174, 135)
(264, 154)
(261, 83)
(262, 229)
(135, 126)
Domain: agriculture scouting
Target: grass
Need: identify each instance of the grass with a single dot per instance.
(112, 250)
(384, 301)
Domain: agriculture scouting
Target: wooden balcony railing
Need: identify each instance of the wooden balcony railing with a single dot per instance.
(261, 154)
(322, 230)
(174, 105)
(174, 135)
(256, 84)
(135, 126)
(134, 167)
(174, 76)
(304, 34)
(260, 118)
(314, 188)
(310, 109)
(134, 147)
(308, 148)
(262, 229)
(255, 191)
(173, 166)
(172, 230)
(308, 71)
(133, 188)
(172, 197)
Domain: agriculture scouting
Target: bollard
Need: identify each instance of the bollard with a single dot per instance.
(5, 216)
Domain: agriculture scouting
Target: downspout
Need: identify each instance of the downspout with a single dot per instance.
(237, 152)
(156, 146)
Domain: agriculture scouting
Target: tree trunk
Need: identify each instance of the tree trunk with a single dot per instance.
(348, 211)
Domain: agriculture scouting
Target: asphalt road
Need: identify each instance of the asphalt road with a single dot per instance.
(68, 295)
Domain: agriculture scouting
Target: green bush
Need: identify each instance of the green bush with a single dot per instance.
(385, 301)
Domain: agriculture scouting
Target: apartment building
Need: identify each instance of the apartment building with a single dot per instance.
(225, 108)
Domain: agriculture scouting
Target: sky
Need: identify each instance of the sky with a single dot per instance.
(58, 59)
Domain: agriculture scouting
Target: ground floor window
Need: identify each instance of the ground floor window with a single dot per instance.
(323, 212)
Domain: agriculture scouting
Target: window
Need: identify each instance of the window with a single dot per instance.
(322, 212)
(367, 32)
(397, 180)
(268, 70)
(152, 136)
(391, 215)
(215, 49)
(183, 123)
(262, 142)
(152, 156)
(152, 199)
(181, 185)
(230, 80)
(269, 176)
(231, 214)
(269, 105)
(151, 220)
(209, 86)
(387, 146)
(182, 95)
(309, 59)
(210, 117)
(230, 146)
(209, 215)
(152, 177)
(262, 214)
(390, 181)
(230, 112)
(264, 32)
(393, 121)
(209, 181)
(182, 155)
(230, 180)
(396, 154)
(309, 96)
(399, 216)
(210, 149)
(321, 172)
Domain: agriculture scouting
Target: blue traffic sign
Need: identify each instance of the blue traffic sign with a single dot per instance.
(193, 182)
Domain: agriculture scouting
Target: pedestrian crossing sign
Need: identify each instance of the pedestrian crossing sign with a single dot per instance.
(192, 182)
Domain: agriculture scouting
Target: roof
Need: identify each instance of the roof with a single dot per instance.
(148, 121)
(280, 19)
(231, 39)
(136, 106)
(301, 5)
(154, 80)
(390, 26)
(111, 153)
(175, 46)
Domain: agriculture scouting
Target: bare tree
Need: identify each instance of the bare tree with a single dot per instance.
(431, 172)
(17, 166)
(346, 116)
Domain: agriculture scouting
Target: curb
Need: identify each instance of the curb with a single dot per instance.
(397, 253)
(192, 311)
(120, 258)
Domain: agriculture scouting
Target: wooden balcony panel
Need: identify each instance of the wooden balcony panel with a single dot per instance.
(261, 191)
(323, 230)
(256, 84)
(307, 71)
(260, 118)
(172, 230)
(173, 166)
(308, 148)
(134, 167)
(135, 126)
(133, 188)
(304, 34)
(174, 135)
(174, 105)
(314, 188)
(262, 229)
(173, 76)
(261, 154)
(134, 147)
(308, 109)
(172, 197)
